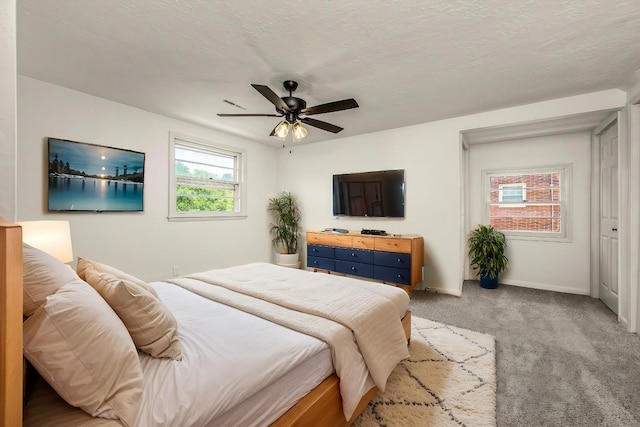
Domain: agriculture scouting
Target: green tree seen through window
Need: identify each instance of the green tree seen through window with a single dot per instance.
(194, 199)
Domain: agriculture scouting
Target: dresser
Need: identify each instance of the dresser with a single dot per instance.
(396, 259)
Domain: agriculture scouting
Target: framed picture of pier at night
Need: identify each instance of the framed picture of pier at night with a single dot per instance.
(94, 178)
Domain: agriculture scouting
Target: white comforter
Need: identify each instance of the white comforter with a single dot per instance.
(236, 370)
(217, 384)
(228, 357)
(360, 321)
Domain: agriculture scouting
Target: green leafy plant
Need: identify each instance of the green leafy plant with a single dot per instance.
(285, 227)
(486, 251)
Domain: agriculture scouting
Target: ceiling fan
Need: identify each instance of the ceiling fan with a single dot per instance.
(294, 110)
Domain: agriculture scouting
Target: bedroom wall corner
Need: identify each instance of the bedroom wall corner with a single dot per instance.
(432, 182)
(543, 264)
(145, 244)
(430, 155)
(8, 77)
(633, 133)
(633, 91)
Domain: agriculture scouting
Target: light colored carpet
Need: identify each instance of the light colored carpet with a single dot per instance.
(449, 380)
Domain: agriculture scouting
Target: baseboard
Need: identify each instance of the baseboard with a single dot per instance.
(444, 291)
(624, 323)
(546, 287)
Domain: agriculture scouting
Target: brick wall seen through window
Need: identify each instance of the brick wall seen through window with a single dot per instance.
(527, 202)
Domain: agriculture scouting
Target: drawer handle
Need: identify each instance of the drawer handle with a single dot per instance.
(353, 268)
(352, 254)
(399, 276)
(399, 260)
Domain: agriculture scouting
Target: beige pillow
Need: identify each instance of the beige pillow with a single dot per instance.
(81, 348)
(83, 264)
(152, 326)
(43, 275)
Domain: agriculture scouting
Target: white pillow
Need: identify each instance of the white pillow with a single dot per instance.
(82, 349)
(152, 326)
(83, 264)
(43, 275)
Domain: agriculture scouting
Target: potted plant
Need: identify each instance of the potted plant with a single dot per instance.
(486, 254)
(285, 228)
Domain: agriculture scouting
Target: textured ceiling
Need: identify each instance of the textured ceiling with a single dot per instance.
(405, 62)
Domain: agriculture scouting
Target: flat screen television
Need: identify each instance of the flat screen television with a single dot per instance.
(94, 178)
(369, 194)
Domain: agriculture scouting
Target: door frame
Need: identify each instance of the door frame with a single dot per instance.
(624, 273)
(634, 212)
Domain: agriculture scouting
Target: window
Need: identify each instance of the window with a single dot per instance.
(207, 180)
(512, 193)
(528, 203)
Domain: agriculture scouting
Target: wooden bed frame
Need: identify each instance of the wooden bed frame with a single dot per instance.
(10, 324)
(322, 406)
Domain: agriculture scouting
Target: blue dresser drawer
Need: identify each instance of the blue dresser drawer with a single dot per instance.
(355, 255)
(392, 259)
(400, 276)
(354, 268)
(323, 263)
(321, 251)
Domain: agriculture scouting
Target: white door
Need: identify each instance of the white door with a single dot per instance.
(609, 217)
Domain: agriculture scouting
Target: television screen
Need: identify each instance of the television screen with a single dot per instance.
(88, 177)
(371, 194)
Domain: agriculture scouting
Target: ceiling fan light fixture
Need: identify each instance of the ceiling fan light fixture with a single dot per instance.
(282, 130)
(299, 132)
(290, 108)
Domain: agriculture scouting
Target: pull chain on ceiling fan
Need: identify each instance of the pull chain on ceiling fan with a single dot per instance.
(292, 108)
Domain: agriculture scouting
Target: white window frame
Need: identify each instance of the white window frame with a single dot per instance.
(565, 204)
(521, 186)
(214, 148)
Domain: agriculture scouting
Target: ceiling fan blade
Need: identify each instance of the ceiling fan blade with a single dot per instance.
(345, 104)
(321, 125)
(271, 96)
(249, 115)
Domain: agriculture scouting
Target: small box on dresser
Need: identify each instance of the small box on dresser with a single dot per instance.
(396, 260)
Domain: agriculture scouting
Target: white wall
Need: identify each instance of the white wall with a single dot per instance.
(430, 154)
(633, 107)
(307, 172)
(633, 91)
(147, 245)
(558, 266)
(144, 244)
(8, 109)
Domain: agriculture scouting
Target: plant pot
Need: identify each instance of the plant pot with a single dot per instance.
(488, 283)
(288, 260)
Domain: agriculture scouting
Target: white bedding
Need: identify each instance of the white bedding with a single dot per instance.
(362, 327)
(237, 369)
(228, 357)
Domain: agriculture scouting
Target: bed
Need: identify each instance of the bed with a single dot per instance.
(312, 396)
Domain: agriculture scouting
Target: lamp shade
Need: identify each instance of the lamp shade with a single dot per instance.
(299, 132)
(52, 237)
(282, 130)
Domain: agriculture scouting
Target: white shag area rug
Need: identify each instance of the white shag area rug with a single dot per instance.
(448, 380)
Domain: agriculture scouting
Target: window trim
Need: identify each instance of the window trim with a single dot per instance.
(521, 204)
(566, 173)
(176, 138)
